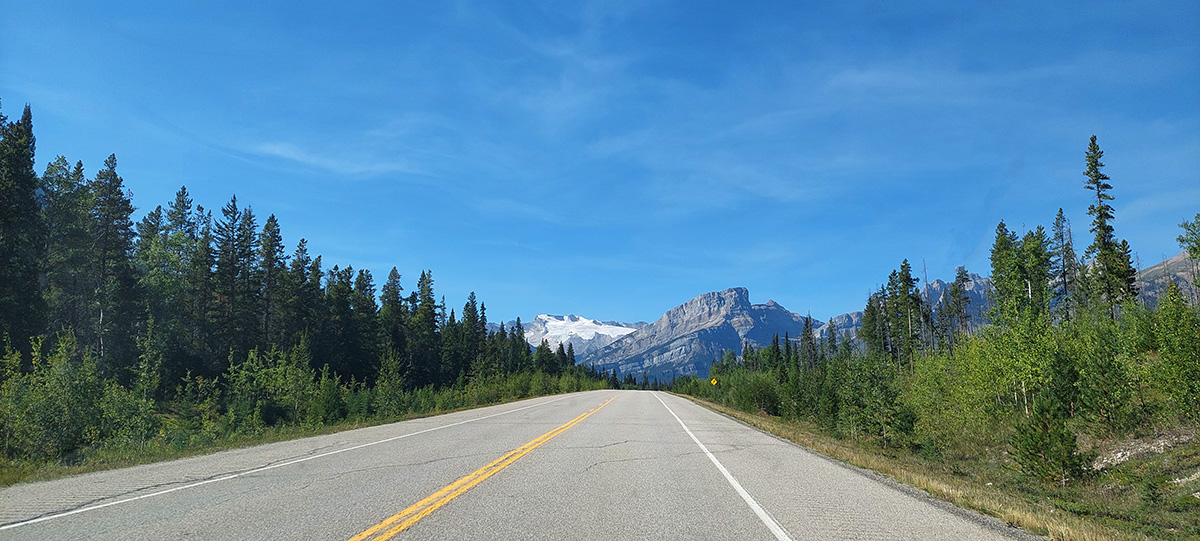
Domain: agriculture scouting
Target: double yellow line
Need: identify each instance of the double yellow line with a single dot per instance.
(419, 510)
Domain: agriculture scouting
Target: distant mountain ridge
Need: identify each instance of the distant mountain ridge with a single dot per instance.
(584, 334)
(1152, 281)
(689, 337)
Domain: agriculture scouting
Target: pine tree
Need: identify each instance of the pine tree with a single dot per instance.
(67, 203)
(1114, 272)
(363, 342)
(22, 236)
(1007, 284)
(959, 303)
(560, 359)
(1064, 268)
(904, 313)
(543, 358)
(1044, 447)
(393, 313)
(1035, 272)
(236, 281)
(115, 309)
(808, 345)
(274, 267)
(424, 349)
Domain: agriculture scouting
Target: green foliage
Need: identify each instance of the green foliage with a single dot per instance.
(1190, 239)
(1113, 272)
(389, 387)
(126, 418)
(54, 409)
(328, 404)
(1045, 448)
(22, 234)
(755, 392)
(1178, 337)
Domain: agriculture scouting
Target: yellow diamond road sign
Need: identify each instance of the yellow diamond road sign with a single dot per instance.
(713, 381)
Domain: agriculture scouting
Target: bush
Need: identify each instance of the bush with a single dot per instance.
(1045, 448)
(755, 392)
(126, 418)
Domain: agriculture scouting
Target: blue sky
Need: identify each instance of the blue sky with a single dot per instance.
(615, 159)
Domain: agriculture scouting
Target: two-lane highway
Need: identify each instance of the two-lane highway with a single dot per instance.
(595, 465)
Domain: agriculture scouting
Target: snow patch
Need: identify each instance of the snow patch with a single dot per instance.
(561, 328)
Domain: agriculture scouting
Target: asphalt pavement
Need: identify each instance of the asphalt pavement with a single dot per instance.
(592, 465)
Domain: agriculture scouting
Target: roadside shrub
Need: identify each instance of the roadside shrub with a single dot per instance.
(754, 392)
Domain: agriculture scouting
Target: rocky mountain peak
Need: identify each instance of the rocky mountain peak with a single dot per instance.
(687, 338)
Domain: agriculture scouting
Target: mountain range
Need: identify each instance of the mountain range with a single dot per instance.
(584, 334)
(688, 338)
(1152, 281)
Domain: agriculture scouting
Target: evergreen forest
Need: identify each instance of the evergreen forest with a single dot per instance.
(190, 327)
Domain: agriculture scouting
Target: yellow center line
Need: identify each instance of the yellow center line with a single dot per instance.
(429, 504)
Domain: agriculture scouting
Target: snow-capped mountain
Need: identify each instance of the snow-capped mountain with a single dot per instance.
(586, 335)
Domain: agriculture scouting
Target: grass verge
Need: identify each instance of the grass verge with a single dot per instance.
(157, 450)
(1114, 505)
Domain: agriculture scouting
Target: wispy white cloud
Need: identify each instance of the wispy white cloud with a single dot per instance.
(348, 165)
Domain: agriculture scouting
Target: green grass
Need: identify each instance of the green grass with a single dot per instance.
(1134, 500)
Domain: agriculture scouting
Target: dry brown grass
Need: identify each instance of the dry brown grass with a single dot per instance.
(1011, 508)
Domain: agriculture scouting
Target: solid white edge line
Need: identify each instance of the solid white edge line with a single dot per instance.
(766, 518)
(265, 468)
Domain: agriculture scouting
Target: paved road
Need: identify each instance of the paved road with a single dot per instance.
(595, 465)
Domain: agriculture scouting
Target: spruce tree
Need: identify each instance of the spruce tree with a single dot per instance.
(274, 267)
(904, 313)
(1044, 447)
(424, 352)
(1113, 266)
(22, 236)
(1189, 240)
(365, 328)
(560, 358)
(959, 302)
(1007, 284)
(236, 281)
(473, 332)
(874, 332)
(67, 203)
(808, 345)
(201, 288)
(1035, 273)
(519, 358)
(115, 312)
(1064, 268)
(393, 313)
(543, 358)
